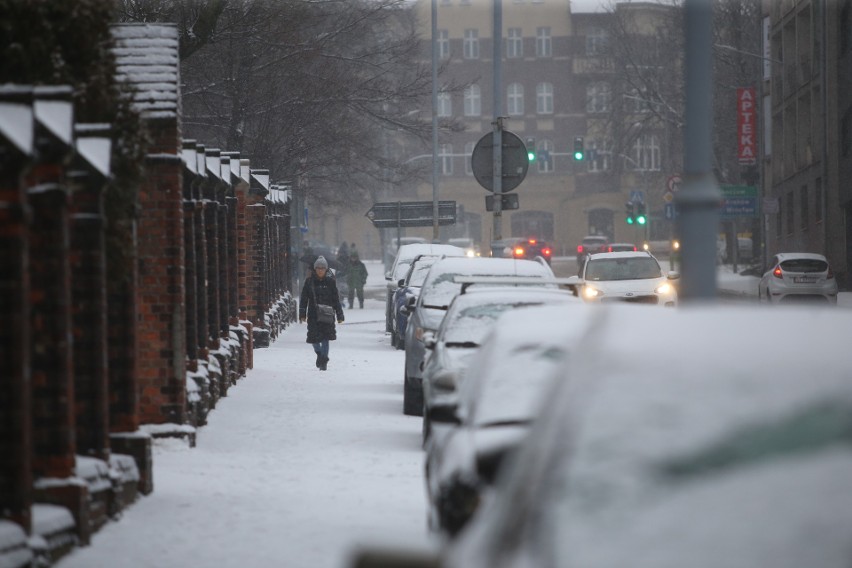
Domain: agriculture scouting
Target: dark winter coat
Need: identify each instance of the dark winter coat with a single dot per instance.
(356, 276)
(326, 293)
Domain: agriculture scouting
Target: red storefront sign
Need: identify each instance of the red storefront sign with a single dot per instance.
(746, 126)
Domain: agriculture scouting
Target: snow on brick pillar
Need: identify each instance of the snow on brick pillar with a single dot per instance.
(241, 191)
(162, 346)
(200, 231)
(50, 290)
(16, 150)
(225, 274)
(211, 227)
(256, 254)
(190, 180)
(88, 175)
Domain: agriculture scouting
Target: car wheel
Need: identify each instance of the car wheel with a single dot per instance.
(456, 505)
(410, 406)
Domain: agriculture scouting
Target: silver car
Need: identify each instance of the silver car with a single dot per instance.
(798, 277)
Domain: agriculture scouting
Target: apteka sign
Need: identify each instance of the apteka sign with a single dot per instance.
(746, 126)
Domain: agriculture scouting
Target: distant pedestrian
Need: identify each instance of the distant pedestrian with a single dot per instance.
(343, 256)
(353, 251)
(320, 290)
(356, 278)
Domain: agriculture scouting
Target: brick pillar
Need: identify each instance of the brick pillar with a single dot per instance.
(190, 279)
(15, 410)
(224, 268)
(211, 230)
(162, 347)
(255, 262)
(201, 289)
(88, 293)
(241, 193)
(50, 291)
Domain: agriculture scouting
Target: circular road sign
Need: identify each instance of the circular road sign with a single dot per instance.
(515, 161)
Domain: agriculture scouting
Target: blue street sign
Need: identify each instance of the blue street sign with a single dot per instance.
(670, 211)
(637, 196)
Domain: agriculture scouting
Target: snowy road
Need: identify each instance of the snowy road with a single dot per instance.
(295, 467)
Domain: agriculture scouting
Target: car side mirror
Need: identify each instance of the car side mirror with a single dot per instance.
(388, 276)
(444, 413)
(673, 275)
(429, 340)
(401, 282)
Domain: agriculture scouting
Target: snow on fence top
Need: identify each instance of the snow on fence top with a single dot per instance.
(147, 59)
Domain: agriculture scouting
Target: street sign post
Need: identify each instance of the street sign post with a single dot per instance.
(411, 214)
(515, 161)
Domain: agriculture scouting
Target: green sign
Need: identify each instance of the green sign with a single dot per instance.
(739, 201)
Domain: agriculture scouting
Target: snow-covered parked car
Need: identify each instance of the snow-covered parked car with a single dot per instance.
(495, 404)
(438, 290)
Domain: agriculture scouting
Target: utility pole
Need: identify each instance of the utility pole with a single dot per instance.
(698, 201)
(435, 157)
(497, 161)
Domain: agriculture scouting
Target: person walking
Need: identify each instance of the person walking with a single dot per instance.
(356, 277)
(319, 294)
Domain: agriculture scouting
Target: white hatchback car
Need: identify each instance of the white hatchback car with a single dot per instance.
(799, 277)
(633, 277)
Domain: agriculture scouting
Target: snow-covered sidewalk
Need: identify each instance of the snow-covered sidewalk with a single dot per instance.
(295, 467)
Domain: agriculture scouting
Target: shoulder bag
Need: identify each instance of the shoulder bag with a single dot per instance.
(325, 313)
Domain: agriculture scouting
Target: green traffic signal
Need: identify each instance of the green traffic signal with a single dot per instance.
(641, 219)
(578, 155)
(531, 155)
(629, 220)
(579, 150)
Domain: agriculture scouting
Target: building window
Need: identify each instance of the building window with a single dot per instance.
(790, 213)
(636, 102)
(472, 101)
(544, 156)
(599, 155)
(445, 105)
(804, 209)
(645, 155)
(598, 98)
(597, 42)
(544, 98)
(468, 154)
(514, 43)
(471, 44)
(515, 99)
(444, 44)
(818, 200)
(543, 45)
(445, 154)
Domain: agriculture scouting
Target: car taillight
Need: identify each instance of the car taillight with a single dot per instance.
(608, 249)
(546, 252)
(579, 249)
(830, 274)
(532, 241)
(634, 248)
(777, 272)
(519, 251)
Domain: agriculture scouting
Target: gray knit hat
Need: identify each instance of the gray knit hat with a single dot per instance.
(321, 262)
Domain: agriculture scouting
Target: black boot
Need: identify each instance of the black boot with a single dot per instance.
(323, 364)
(319, 360)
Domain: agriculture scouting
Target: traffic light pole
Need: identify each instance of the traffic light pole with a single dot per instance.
(435, 158)
(497, 156)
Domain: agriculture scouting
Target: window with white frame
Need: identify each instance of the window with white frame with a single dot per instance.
(599, 155)
(468, 153)
(515, 99)
(472, 101)
(445, 104)
(543, 42)
(645, 154)
(445, 155)
(514, 43)
(597, 41)
(544, 98)
(598, 98)
(471, 43)
(444, 44)
(544, 156)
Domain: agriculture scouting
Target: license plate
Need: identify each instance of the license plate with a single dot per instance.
(804, 279)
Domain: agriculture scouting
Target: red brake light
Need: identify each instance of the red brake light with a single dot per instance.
(532, 241)
(830, 274)
(580, 249)
(519, 251)
(777, 272)
(634, 248)
(608, 249)
(545, 252)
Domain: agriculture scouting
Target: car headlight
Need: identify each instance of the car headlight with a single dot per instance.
(664, 288)
(590, 293)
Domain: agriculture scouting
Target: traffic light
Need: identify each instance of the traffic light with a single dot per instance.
(530, 149)
(640, 214)
(630, 212)
(579, 151)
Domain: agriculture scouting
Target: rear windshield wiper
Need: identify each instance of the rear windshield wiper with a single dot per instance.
(435, 307)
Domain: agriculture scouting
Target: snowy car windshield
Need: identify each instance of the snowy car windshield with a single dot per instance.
(630, 268)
